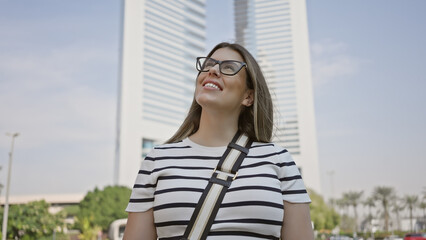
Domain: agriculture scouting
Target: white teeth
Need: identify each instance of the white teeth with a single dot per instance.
(212, 85)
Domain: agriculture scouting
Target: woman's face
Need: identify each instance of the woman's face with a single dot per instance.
(217, 91)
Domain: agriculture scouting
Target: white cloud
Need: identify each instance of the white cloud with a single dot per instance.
(50, 98)
(331, 61)
(66, 118)
(76, 114)
(61, 67)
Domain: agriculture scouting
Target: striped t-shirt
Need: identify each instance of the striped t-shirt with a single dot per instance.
(173, 176)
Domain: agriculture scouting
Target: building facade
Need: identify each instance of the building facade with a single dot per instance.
(160, 41)
(276, 33)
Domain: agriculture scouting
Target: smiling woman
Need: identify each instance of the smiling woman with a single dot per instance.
(219, 176)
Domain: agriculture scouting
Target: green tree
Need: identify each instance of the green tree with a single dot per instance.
(347, 223)
(397, 208)
(369, 202)
(101, 207)
(384, 195)
(88, 232)
(70, 211)
(353, 198)
(343, 204)
(324, 217)
(422, 205)
(32, 221)
(410, 201)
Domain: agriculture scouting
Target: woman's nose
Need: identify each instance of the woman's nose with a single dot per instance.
(215, 70)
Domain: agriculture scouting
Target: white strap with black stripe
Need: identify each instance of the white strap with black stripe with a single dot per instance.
(221, 179)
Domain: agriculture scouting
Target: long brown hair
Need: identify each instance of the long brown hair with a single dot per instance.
(256, 121)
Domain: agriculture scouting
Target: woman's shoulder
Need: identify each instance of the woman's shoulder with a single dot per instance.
(179, 144)
(266, 147)
(271, 150)
(165, 148)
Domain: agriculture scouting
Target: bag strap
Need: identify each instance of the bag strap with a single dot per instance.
(226, 171)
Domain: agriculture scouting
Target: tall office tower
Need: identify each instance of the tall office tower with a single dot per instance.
(276, 33)
(160, 41)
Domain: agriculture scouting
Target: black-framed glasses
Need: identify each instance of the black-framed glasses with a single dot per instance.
(227, 67)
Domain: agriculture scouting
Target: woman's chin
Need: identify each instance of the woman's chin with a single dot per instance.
(207, 102)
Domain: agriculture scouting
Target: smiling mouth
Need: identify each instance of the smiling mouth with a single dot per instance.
(212, 85)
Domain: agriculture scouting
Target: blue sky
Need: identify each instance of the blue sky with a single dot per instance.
(58, 88)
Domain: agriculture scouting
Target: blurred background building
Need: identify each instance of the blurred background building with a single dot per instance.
(276, 33)
(160, 41)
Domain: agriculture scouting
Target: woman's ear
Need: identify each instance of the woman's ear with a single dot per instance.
(248, 98)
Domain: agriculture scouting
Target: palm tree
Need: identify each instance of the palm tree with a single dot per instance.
(411, 202)
(396, 208)
(369, 202)
(384, 195)
(353, 199)
(422, 205)
(343, 204)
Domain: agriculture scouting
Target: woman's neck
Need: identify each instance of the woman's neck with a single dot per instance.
(215, 129)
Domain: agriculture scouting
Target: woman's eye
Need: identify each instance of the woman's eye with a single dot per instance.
(229, 66)
(209, 64)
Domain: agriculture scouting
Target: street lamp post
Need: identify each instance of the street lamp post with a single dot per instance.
(6, 203)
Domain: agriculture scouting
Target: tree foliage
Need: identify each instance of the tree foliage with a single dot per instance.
(382, 201)
(32, 220)
(101, 207)
(411, 201)
(71, 210)
(369, 202)
(354, 198)
(323, 216)
(396, 209)
(384, 195)
(88, 232)
(422, 206)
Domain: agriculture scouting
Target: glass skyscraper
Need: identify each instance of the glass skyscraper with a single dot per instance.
(276, 33)
(160, 40)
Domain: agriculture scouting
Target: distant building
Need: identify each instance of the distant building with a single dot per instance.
(160, 41)
(276, 33)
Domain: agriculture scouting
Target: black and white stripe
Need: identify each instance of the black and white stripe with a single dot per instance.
(173, 177)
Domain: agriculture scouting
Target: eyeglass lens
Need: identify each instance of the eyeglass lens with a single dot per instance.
(227, 67)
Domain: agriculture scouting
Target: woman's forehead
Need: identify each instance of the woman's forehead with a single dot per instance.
(222, 54)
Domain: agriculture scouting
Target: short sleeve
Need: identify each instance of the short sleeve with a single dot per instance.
(142, 197)
(292, 186)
